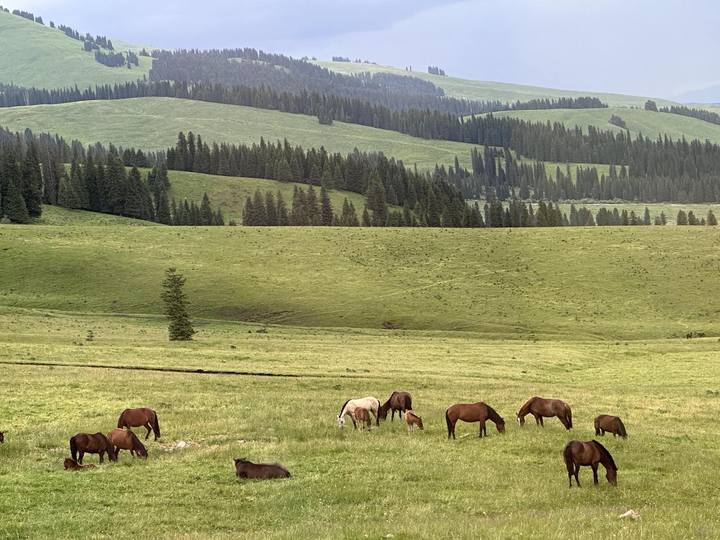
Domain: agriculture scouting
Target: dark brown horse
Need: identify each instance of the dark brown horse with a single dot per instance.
(541, 407)
(127, 440)
(611, 424)
(398, 401)
(72, 465)
(86, 443)
(473, 412)
(362, 416)
(259, 471)
(144, 417)
(589, 454)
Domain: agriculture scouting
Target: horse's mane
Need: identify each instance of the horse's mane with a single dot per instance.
(343, 407)
(623, 432)
(526, 407)
(494, 416)
(134, 439)
(604, 452)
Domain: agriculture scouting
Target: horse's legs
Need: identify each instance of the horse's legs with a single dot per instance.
(482, 429)
(80, 457)
(542, 424)
(595, 478)
(577, 472)
(570, 475)
(392, 415)
(101, 454)
(149, 429)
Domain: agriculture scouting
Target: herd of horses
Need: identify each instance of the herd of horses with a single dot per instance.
(576, 454)
(361, 411)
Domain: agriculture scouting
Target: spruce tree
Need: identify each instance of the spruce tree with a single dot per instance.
(14, 205)
(681, 218)
(206, 214)
(711, 219)
(32, 182)
(326, 212)
(180, 326)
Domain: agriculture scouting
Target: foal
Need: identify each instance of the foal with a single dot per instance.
(611, 424)
(362, 416)
(412, 420)
(259, 471)
(72, 465)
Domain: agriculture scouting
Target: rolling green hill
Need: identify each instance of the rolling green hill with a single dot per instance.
(489, 90)
(35, 55)
(153, 123)
(56, 215)
(649, 123)
(579, 283)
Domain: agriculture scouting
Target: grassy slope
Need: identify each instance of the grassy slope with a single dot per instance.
(349, 484)
(505, 282)
(55, 215)
(229, 193)
(650, 124)
(36, 55)
(489, 90)
(153, 123)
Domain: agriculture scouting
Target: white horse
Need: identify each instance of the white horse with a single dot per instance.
(370, 403)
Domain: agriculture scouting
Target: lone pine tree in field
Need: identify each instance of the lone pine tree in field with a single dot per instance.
(180, 327)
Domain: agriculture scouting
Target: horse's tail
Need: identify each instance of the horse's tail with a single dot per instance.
(156, 425)
(73, 449)
(597, 426)
(567, 457)
(448, 422)
(121, 420)
(621, 429)
(409, 403)
(568, 413)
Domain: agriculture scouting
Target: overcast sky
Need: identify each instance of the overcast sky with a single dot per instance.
(659, 48)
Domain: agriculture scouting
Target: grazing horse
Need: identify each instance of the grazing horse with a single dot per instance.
(398, 401)
(85, 443)
(412, 420)
(541, 407)
(589, 454)
(259, 471)
(72, 465)
(473, 412)
(611, 424)
(127, 440)
(362, 416)
(142, 417)
(370, 403)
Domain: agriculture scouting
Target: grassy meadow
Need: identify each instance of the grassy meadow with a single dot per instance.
(154, 123)
(378, 484)
(39, 56)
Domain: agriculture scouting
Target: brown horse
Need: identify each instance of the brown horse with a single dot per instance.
(473, 412)
(72, 465)
(611, 424)
(259, 471)
(362, 416)
(127, 440)
(398, 401)
(412, 420)
(85, 443)
(142, 417)
(589, 454)
(541, 407)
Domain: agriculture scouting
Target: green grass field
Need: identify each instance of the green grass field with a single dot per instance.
(36, 55)
(489, 90)
(650, 124)
(56, 215)
(153, 124)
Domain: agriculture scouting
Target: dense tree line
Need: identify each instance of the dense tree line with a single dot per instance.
(616, 120)
(434, 70)
(111, 59)
(307, 209)
(559, 103)
(700, 114)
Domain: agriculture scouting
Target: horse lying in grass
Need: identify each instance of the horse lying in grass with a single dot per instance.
(72, 465)
(541, 407)
(127, 440)
(86, 443)
(370, 403)
(589, 454)
(473, 412)
(142, 417)
(398, 401)
(259, 471)
(610, 424)
(362, 417)
(412, 420)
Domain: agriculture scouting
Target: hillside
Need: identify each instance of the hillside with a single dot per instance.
(153, 123)
(649, 123)
(520, 283)
(37, 55)
(56, 215)
(489, 90)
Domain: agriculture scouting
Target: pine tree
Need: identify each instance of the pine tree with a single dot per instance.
(162, 207)
(326, 212)
(260, 213)
(206, 214)
(282, 211)
(137, 199)
(271, 210)
(682, 218)
(248, 212)
(711, 219)
(32, 182)
(14, 205)
(180, 326)
(312, 208)
(67, 194)
(646, 216)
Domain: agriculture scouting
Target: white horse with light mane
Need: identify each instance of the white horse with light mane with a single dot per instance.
(348, 409)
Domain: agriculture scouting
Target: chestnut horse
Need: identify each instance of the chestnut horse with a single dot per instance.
(259, 471)
(541, 407)
(398, 401)
(589, 454)
(611, 424)
(72, 465)
(412, 420)
(142, 417)
(127, 440)
(473, 412)
(86, 443)
(362, 416)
